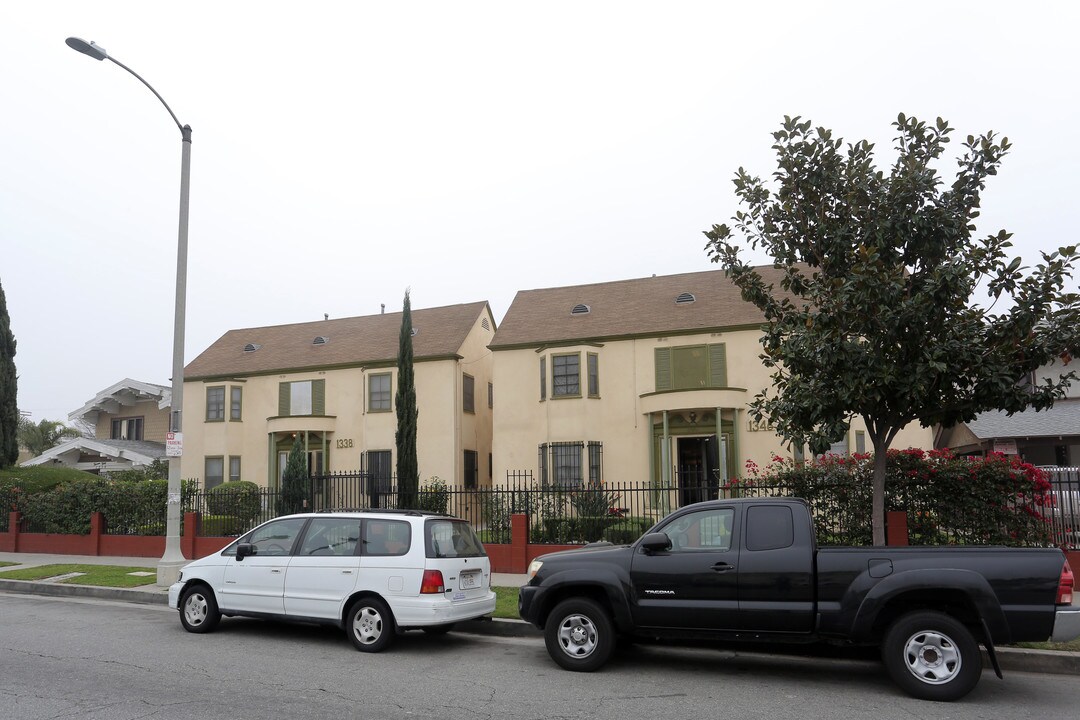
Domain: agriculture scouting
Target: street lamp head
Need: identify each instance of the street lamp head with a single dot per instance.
(87, 48)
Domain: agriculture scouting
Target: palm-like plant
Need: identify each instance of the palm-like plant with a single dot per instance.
(43, 435)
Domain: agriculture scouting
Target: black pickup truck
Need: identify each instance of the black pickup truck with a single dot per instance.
(734, 570)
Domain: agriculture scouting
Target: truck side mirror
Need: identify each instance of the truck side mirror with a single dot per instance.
(654, 542)
(245, 549)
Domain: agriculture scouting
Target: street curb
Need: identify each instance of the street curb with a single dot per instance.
(142, 597)
(1051, 662)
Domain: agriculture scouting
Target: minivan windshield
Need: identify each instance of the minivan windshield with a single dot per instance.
(451, 539)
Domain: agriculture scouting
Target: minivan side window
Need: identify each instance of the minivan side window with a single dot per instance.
(272, 539)
(769, 527)
(386, 537)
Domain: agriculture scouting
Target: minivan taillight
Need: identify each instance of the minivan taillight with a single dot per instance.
(1065, 585)
(433, 583)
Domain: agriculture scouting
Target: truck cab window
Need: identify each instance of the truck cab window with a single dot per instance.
(769, 527)
(705, 530)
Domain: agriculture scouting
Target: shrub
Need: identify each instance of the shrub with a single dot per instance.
(223, 525)
(434, 496)
(626, 530)
(997, 500)
(238, 498)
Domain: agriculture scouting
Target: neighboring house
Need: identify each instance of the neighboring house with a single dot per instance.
(130, 420)
(1048, 437)
(332, 383)
(639, 381)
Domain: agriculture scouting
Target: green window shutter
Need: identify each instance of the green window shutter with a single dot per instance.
(283, 395)
(718, 365)
(318, 397)
(663, 368)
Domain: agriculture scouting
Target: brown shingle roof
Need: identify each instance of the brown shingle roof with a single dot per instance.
(645, 306)
(440, 332)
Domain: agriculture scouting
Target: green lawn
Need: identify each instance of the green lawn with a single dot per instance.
(101, 575)
(506, 603)
(6, 564)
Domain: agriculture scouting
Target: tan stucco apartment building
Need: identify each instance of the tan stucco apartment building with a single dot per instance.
(332, 384)
(638, 381)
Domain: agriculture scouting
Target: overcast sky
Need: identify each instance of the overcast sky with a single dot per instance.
(345, 151)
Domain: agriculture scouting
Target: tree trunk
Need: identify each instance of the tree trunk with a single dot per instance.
(878, 507)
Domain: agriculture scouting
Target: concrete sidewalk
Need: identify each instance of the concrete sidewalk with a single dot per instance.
(1011, 659)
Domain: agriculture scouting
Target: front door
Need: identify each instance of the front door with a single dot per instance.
(694, 585)
(257, 583)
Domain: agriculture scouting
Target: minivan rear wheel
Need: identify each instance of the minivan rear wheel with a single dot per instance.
(370, 625)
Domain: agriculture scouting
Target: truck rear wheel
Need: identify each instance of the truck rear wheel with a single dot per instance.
(579, 635)
(932, 656)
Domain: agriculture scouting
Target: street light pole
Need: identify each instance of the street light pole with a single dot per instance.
(173, 559)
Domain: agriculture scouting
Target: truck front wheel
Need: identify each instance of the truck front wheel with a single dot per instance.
(579, 635)
(932, 656)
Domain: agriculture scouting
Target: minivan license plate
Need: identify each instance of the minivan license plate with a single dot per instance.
(470, 580)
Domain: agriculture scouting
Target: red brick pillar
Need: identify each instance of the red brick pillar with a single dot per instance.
(191, 532)
(97, 529)
(896, 533)
(519, 543)
(9, 541)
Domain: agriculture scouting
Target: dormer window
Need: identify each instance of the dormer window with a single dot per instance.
(685, 299)
(581, 310)
(251, 347)
(320, 340)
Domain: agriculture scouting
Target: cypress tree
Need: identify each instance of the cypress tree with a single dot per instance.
(9, 390)
(408, 476)
(294, 481)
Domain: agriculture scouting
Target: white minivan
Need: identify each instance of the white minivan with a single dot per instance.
(373, 573)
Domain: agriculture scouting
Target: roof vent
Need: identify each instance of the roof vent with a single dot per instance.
(685, 298)
(320, 340)
(251, 347)
(484, 324)
(581, 310)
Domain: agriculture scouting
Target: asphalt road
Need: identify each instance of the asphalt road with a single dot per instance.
(96, 659)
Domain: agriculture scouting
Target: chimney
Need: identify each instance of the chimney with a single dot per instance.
(383, 310)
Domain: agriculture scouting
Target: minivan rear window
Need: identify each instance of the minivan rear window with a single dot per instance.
(451, 539)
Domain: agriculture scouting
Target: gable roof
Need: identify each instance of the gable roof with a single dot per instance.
(124, 393)
(645, 306)
(137, 452)
(1062, 419)
(439, 332)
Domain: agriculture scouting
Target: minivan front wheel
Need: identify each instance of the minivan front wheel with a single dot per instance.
(370, 625)
(198, 610)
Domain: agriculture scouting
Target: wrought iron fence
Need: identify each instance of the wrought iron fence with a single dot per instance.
(1063, 512)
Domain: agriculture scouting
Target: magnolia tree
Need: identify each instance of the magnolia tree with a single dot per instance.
(878, 313)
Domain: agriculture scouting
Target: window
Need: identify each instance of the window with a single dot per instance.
(705, 530)
(593, 372)
(234, 468)
(471, 470)
(543, 378)
(127, 429)
(468, 393)
(840, 447)
(596, 456)
(860, 441)
(306, 397)
(331, 536)
(491, 395)
(379, 465)
(541, 462)
(566, 375)
(214, 473)
(690, 367)
(451, 538)
(236, 402)
(386, 537)
(274, 538)
(566, 464)
(215, 404)
(379, 392)
(769, 527)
